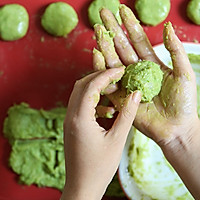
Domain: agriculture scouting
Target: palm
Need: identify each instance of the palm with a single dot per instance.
(171, 108)
(177, 98)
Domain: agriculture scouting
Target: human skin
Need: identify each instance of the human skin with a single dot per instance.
(171, 119)
(93, 153)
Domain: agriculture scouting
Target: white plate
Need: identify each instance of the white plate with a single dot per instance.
(127, 182)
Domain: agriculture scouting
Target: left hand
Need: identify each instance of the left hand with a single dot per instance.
(93, 153)
(173, 112)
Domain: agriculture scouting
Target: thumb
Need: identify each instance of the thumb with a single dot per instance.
(127, 115)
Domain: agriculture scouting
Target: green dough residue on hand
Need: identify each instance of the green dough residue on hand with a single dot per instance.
(152, 12)
(14, 22)
(193, 12)
(145, 76)
(97, 5)
(36, 137)
(59, 19)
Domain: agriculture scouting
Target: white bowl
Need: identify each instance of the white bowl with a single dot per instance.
(154, 178)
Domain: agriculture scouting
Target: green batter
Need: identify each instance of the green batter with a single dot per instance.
(37, 152)
(193, 11)
(152, 173)
(14, 22)
(59, 19)
(145, 76)
(97, 5)
(194, 58)
(152, 12)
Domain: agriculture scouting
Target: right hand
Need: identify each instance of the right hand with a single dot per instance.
(93, 153)
(173, 113)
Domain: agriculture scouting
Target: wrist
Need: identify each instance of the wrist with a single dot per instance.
(70, 194)
(183, 154)
(80, 193)
(184, 142)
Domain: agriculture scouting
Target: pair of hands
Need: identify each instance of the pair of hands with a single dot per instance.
(93, 153)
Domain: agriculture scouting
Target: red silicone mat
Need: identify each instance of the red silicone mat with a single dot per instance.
(43, 73)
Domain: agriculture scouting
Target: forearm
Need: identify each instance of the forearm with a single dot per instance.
(83, 189)
(184, 156)
(77, 194)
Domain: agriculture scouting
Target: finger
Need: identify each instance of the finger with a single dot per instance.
(111, 89)
(98, 61)
(106, 46)
(124, 48)
(91, 93)
(98, 65)
(77, 91)
(127, 115)
(138, 37)
(105, 112)
(181, 63)
(117, 98)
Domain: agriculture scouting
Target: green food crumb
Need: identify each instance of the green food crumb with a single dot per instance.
(1, 73)
(59, 19)
(109, 115)
(42, 39)
(145, 76)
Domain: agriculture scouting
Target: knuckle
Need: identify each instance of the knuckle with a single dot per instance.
(90, 85)
(128, 114)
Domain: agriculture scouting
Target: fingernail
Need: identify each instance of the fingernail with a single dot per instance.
(137, 95)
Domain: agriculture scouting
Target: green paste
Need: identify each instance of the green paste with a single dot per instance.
(36, 137)
(14, 22)
(97, 5)
(145, 76)
(193, 11)
(152, 12)
(59, 19)
(195, 62)
(152, 173)
(194, 58)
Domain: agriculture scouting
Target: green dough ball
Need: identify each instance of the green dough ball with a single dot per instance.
(152, 12)
(14, 21)
(97, 5)
(193, 11)
(59, 19)
(145, 76)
